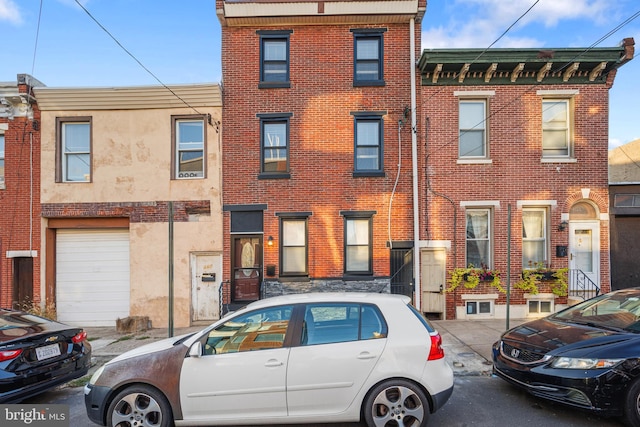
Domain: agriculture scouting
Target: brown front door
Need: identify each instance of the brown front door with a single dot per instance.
(247, 268)
(22, 283)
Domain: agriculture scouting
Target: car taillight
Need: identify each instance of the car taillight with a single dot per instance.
(9, 354)
(436, 352)
(81, 336)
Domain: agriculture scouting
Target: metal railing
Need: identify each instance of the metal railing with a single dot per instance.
(580, 285)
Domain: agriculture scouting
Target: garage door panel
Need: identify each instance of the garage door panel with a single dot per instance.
(92, 276)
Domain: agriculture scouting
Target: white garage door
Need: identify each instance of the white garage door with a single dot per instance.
(92, 276)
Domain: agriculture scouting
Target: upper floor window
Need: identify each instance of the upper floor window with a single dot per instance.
(479, 237)
(358, 238)
(534, 237)
(2, 160)
(368, 57)
(368, 134)
(274, 139)
(274, 58)
(74, 149)
(189, 147)
(472, 119)
(293, 259)
(556, 128)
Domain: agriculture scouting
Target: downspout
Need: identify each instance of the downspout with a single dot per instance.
(414, 167)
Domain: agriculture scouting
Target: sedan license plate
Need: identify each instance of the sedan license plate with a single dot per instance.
(48, 351)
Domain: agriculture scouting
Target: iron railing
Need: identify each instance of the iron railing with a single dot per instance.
(580, 285)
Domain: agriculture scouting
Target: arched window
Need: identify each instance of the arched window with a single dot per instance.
(583, 210)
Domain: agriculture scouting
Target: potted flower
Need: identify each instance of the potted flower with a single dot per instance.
(539, 272)
(471, 277)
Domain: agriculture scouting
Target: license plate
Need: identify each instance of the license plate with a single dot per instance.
(48, 351)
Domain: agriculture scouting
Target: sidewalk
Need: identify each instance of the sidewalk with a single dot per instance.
(467, 343)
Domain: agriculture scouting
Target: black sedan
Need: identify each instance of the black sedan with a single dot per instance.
(37, 354)
(587, 356)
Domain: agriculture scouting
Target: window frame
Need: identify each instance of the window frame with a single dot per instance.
(274, 118)
(175, 145)
(528, 264)
(568, 127)
(358, 145)
(272, 36)
(352, 217)
(369, 34)
(475, 128)
(294, 217)
(61, 155)
(488, 239)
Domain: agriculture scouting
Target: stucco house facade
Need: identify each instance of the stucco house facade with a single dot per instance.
(131, 203)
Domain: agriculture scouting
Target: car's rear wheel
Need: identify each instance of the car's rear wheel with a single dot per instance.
(632, 405)
(396, 403)
(138, 406)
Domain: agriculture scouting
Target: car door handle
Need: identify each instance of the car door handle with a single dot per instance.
(273, 363)
(366, 355)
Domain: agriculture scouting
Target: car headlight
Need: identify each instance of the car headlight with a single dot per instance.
(96, 375)
(583, 363)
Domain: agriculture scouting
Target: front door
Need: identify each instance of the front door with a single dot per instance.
(206, 272)
(402, 271)
(246, 268)
(433, 272)
(22, 283)
(584, 249)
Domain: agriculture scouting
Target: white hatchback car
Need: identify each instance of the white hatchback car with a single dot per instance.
(323, 357)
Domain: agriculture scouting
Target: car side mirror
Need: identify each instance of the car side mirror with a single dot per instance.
(196, 349)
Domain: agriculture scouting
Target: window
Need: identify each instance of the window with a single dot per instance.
(274, 136)
(556, 135)
(2, 160)
(534, 237)
(358, 247)
(478, 307)
(333, 323)
(74, 149)
(294, 246)
(368, 144)
(626, 200)
(368, 57)
(258, 330)
(540, 306)
(274, 58)
(472, 121)
(189, 147)
(479, 237)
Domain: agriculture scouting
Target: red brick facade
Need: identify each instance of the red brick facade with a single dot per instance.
(20, 255)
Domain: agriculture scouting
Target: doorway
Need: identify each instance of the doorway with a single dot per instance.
(246, 268)
(433, 272)
(206, 273)
(402, 271)
(584, 249)
(22, 283)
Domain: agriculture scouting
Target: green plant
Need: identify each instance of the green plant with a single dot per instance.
(471, 277)
(539, 272)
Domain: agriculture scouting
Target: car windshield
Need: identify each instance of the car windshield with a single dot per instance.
(619, 310)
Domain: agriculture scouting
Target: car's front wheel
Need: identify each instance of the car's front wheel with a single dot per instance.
(632, 405)
(139, 405)
(396, 403)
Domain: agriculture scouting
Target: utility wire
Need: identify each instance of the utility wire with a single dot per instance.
(35, 47)
(136, 59)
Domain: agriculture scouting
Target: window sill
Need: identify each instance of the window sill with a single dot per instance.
(278, 175)
(363, 83)
(558, 160)
(474, 161)
(274, 85)
(361, 174)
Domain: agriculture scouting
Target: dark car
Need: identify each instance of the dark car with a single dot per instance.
(37, 354)
(586, 356)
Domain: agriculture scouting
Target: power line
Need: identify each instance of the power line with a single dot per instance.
(136, 59)
(35, 47)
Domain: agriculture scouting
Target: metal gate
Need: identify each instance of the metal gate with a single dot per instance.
(402, 271)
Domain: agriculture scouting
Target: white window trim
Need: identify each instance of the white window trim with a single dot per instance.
(545, 297)
(474, 93)
(536, 203)
(491, 298)
(480, 204)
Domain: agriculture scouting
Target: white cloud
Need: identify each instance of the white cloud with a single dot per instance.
(9, 12)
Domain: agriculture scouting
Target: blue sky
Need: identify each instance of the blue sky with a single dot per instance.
(179, 42)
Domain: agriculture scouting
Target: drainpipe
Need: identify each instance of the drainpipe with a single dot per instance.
(414, 163)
